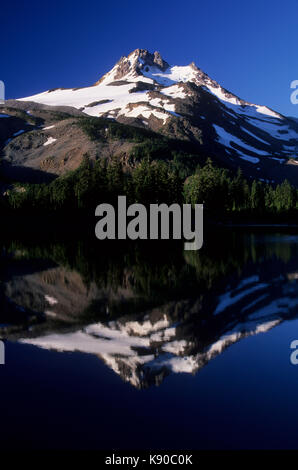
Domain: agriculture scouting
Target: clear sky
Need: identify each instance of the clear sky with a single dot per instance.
(250, 47)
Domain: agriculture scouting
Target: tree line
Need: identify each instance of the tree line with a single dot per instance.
(221, 192)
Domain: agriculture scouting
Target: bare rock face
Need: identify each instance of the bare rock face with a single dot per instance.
(158, 60)
(54, 145)
(134, 64)
(151, 59)
(123, 69)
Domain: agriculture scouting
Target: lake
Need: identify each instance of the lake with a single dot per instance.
(147, 346)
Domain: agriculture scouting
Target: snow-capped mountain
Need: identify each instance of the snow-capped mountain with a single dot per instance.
(144, 90)
(144, 349)
(173, 338)
(143, 354)
(125, 90)
(173, 327)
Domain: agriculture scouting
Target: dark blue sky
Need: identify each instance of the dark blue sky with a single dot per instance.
(249, 47)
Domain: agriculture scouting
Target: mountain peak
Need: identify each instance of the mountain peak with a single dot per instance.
(142, 89)
(134, 65)
(147, 58)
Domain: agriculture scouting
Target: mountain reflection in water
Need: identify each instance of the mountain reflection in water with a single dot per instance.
(146, 311)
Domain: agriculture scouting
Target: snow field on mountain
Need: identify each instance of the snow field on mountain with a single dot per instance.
(118, 94)
(227, 139)
(50, 141)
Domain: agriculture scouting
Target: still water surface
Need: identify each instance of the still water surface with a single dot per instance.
(116, 347)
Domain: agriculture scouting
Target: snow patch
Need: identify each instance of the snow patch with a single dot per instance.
(250, 159)
(51, 300)
(18, 133)
(227, 139)
(50, 140)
